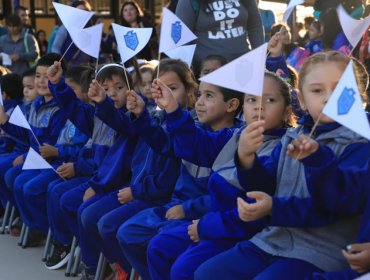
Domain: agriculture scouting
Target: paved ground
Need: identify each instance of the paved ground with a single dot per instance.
(21, 264)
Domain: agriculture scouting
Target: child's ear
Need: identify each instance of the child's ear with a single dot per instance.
(301, 100)
(191, 97)
(232, 105)
(288, 115)
(5, 95)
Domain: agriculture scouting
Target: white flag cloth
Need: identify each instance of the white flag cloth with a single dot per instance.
(345, 105)
(185, 53)
(130, 41)
(35, 161)
(244, 74)
(17, 118)
(72, 17)
(174, 33)
(353, 29)
(290, 8)
(88, 39)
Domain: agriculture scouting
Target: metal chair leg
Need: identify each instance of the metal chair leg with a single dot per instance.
(47, 246)
(76, 262)
(71, 257)
(23, 230)
(101, 267)
(25, 237)
(5, 218)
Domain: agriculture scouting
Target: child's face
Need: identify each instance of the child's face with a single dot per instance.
(41, 81)
(313, 32)
(285, 35)
(210, 106)
(318, 85)
(77, 89)
(273, 111)
(117, 90)
(172, 81)
(146, 84)
(209, 66)
(29, 89)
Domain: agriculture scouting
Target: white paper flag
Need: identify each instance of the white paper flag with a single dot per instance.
(35, 161)
(244, 74)
(17, 118)
(174, 33)
(353, 29)
(185, 53)
(72, 17)
(290, 8)
(345, 104)
(88, 39)
(7, 61)
(130, 41)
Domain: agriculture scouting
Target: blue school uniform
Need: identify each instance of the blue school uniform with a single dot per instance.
(153, 178)
(304, 250)
(30, 188)
(220, 228)
(314, 46)
(190, 192)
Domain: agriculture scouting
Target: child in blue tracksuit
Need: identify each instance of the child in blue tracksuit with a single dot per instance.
(152, 182)
(46, 122)
(77, 172)
(112, 152)
(190, 199)
(10, 147)
(302, 250)
(314, 45)
(216, 231)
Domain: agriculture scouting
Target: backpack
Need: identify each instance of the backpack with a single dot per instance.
(33, 63)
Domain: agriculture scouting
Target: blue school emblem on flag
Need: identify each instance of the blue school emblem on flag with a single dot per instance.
(346, 101)
(71, 131)
(131, 40)
(176, 31)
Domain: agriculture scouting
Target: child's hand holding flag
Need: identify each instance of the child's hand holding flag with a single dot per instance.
(55, 72)
(96, 93)
(163, 96)
(135, 104)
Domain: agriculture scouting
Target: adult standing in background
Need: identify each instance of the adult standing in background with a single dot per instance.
(268, 20)
(20, 47)
(132, 16)
(24, 15)
(229, 28)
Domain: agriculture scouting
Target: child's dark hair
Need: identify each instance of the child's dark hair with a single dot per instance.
(182, 70)
(330, 21)
(12, 85)
(230, 94)
(29, 72)
(219, 58)
(87, 5)
(81, 75)
(13, 20)
(107, 71)
(48, 59)
(285, 90)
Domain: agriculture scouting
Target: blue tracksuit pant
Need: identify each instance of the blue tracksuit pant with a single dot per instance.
(173, 255)
(6, 162)
(30, 188)
(72, 206)
(134, 236)
(109, 224)
(58, 225)
(247, 261)
(347, 274)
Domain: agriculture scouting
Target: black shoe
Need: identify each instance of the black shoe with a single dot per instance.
(35, 238)
(60, 256)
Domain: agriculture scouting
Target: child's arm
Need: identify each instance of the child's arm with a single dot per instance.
(70, 152)
(106, 111)
(197, 207)
(80, 113)
(276, 61)
(190, 142)
(158, 186)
